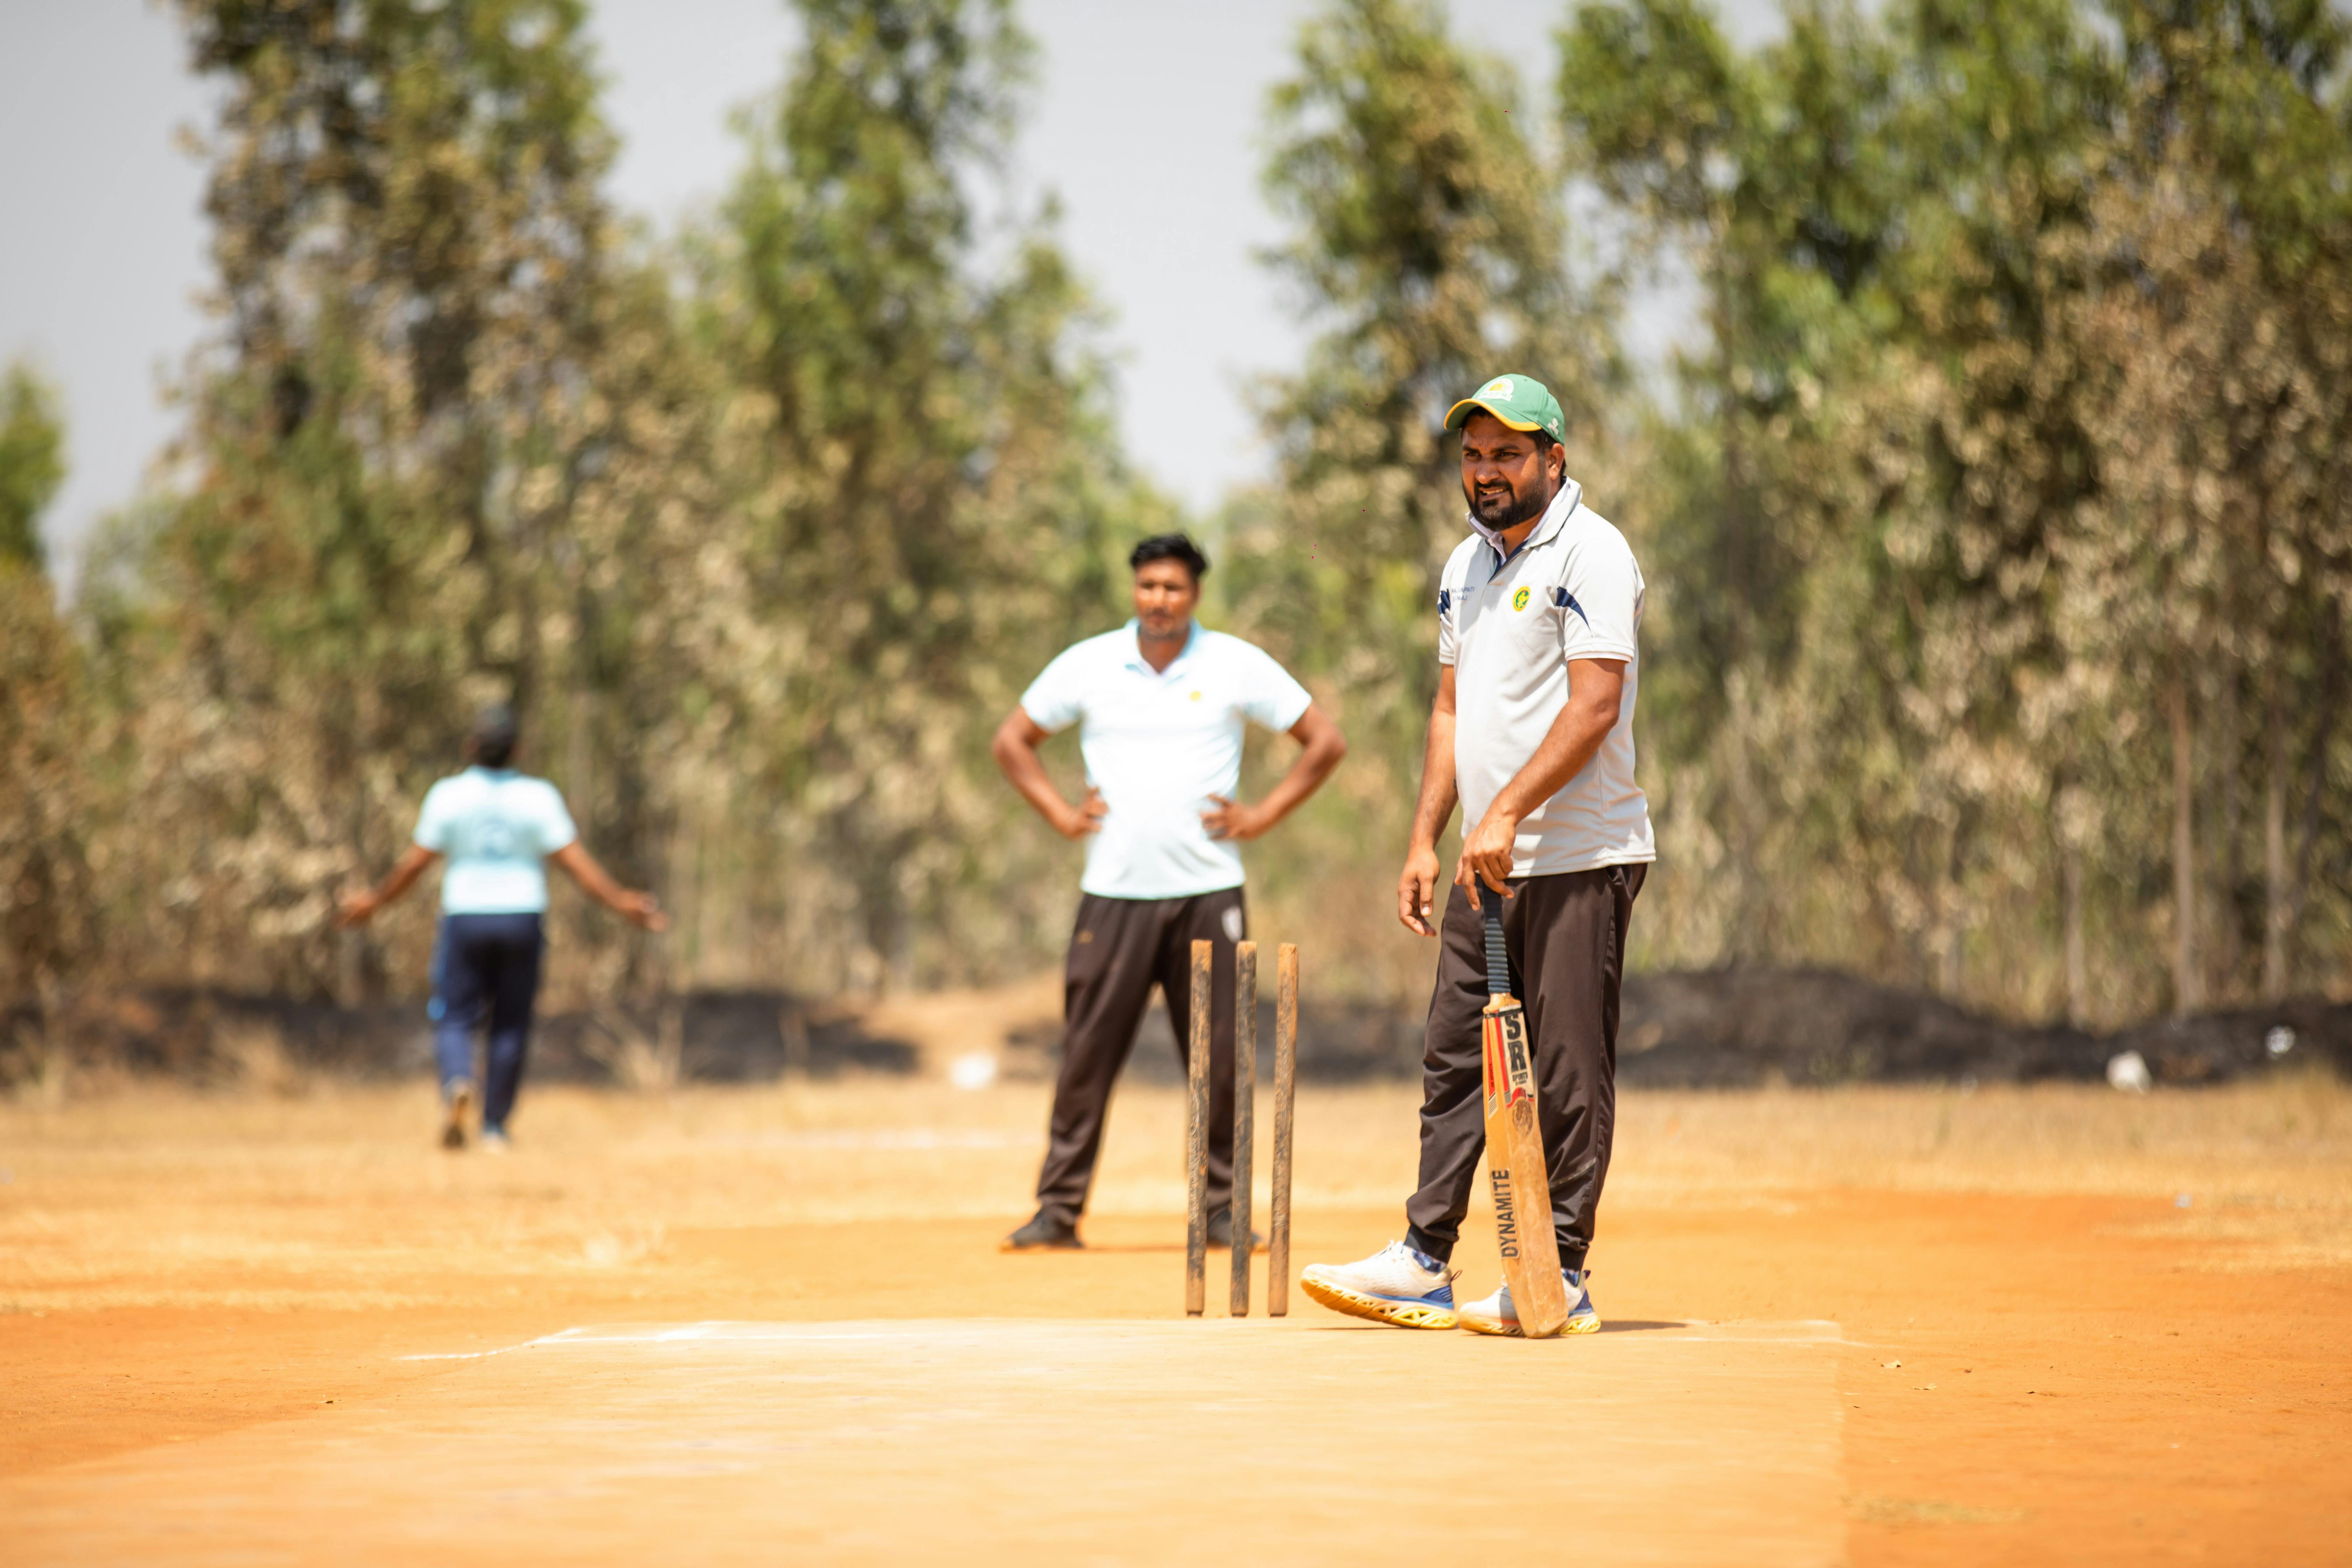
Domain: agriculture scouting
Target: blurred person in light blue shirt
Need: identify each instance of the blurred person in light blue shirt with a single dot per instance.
(497, 829)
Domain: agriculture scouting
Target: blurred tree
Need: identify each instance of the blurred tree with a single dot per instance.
(386, 445)
(934, 490)
(2228, 234)
(1431, 253)
(32, 463)
(1926, 592)
(47, 905)
(2000, 532)
(1775, 179)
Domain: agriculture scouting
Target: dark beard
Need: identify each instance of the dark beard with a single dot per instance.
(1513, 511)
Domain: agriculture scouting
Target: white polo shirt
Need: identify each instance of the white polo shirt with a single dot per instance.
(1158, 744)
(1509, 627)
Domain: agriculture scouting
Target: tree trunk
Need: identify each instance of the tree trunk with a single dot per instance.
(2227, 939)
(1950, 952)
(2188, 991)
(2078, 979)
(2322, 734)
(2276, 917)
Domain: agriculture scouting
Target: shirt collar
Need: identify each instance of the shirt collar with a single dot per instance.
(1562, 505)
(1135, 659)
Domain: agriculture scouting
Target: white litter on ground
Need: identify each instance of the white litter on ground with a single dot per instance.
(2127, 1070)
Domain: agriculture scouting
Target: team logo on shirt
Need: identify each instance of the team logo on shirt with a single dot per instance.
(1520, 600)
(1196, 697)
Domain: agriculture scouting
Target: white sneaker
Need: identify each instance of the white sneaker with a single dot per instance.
(1395, 1285)
(495, 1142)
(1495, 1315)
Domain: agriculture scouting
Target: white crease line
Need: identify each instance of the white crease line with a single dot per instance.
(669, 1336)
(713, 1342)
(691, 1332)
(559, 1337)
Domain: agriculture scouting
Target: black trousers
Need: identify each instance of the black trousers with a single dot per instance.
(1120, 949)
(1566, 936)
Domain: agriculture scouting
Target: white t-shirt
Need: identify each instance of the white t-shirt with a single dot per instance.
(1159, 743)
(497, 827)
(1509, 627)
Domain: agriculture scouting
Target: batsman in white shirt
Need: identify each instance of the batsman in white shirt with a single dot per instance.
(1538, 617)
(1160, 703)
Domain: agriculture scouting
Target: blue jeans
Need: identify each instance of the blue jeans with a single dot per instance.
(485, 972)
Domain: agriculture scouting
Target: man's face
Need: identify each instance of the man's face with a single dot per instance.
(1164, 596)
(1504, 478)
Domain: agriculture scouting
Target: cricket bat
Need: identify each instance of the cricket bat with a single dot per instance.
(1514, 1152)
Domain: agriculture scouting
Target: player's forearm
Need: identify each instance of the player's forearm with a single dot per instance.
(593, 880)
(1305, 777)
(1439, 795)
(404, 874)
(1025, 772)
(1321, 749)
(1568, 746)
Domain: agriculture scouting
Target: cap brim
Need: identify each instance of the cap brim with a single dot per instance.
(1455, 419)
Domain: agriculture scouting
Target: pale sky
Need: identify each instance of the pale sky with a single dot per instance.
(1148, 119)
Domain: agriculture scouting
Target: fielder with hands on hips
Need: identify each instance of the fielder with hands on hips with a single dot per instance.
(1160, 704)
(1531, 733)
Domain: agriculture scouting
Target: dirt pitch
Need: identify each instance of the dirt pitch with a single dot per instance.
(1869, 1326)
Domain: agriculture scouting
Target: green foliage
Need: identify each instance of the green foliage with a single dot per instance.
(1998, 534)
(48, 901)
(1925, 593)
(1431, 253)
(931, 485)
(395, 441)
(32, 463)
(760, 538)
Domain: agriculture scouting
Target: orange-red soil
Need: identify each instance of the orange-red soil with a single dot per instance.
(2089, 1375)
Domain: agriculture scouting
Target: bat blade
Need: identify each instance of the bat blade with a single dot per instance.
(1515, 1165)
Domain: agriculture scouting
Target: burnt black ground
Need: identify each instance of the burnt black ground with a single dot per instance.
(1704, 1029)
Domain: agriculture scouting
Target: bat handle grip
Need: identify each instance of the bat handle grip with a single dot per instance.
(1498, 961)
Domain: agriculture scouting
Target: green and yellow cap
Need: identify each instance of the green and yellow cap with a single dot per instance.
(1521, 402)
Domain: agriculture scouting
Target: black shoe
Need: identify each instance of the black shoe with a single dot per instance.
(1221, 1231)
(1043, 1233)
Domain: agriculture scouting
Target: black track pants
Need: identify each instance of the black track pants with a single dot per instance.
(1119, 948)
(1566, 935)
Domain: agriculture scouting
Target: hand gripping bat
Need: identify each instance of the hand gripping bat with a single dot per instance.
(1514, 1152)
